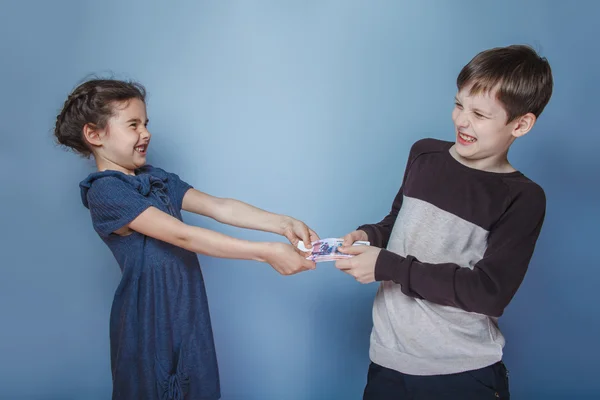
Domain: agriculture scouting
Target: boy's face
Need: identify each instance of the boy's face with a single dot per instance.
(481, 130)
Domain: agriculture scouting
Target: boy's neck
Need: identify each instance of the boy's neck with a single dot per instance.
(496, 164)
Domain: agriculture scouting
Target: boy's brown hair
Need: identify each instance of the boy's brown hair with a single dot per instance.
(522, 78)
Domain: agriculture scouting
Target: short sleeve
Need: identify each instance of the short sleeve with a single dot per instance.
(177, 188)
(113, 204)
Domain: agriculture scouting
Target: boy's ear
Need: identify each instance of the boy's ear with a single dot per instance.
(523, 125)
(92, 135)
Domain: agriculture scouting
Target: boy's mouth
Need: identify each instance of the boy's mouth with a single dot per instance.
(141, 149)
(466, 138)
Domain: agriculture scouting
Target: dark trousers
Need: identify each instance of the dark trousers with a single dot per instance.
(485, 383)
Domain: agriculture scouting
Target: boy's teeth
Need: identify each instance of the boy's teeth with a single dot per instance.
(467, 138)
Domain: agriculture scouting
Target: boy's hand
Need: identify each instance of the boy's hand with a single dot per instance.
(355, 236)
(295, 231)
(362, 265)
(286, 259)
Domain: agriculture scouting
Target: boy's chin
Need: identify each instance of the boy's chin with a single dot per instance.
(465, 151)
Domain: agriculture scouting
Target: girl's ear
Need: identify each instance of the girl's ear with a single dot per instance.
(92, 135)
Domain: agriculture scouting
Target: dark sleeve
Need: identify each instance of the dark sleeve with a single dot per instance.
(491, 284)
(113, 204)
(379, 233)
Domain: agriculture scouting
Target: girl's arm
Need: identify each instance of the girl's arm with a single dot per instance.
(162, 226)
(236, 213)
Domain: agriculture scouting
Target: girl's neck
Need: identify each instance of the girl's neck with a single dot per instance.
(103, 164)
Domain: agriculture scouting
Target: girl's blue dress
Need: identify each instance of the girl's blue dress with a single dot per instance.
(160, 330)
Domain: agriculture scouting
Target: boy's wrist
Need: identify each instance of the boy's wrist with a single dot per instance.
(386, 266)
(368, 231)
(364, 235)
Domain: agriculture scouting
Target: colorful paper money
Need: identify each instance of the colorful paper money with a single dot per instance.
(327, 249)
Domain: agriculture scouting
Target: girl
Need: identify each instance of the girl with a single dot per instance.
(160, 329)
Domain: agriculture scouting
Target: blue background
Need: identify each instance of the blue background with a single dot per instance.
(306, 108)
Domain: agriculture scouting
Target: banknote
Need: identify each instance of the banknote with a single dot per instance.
(327, 249)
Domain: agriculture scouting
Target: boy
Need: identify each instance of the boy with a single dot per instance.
(456, 245)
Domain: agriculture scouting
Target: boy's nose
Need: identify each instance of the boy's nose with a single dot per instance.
(462, 121)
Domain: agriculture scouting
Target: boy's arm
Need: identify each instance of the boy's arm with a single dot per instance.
(236, 213)
(379, 233)
(491, 284)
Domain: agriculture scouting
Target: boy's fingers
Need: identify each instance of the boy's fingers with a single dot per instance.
(343, 265)
(348, 240)
(353, 250)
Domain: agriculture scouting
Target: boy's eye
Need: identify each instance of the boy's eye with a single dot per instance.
(479, 115)
(458, 105)
(134, 125)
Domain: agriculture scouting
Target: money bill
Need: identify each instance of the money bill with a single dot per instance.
(327, 249)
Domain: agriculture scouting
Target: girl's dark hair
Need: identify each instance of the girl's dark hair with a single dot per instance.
(92, 102)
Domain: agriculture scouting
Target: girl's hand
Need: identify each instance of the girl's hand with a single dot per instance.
(295, 231)
(286, 259)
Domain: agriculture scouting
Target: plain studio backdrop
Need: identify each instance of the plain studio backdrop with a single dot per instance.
(306, 108)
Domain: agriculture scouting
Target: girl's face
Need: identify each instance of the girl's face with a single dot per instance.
(123, 144)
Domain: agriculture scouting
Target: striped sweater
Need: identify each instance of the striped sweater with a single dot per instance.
(456, 245)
